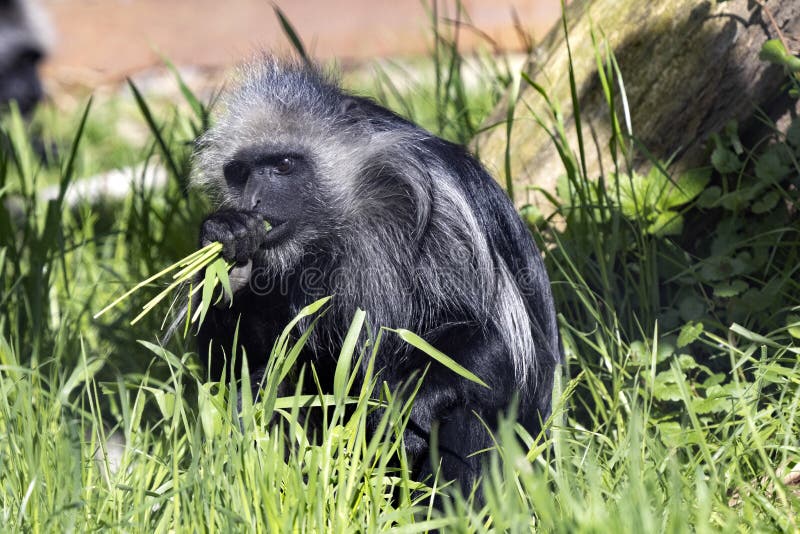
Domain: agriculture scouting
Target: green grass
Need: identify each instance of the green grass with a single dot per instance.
(663, 422)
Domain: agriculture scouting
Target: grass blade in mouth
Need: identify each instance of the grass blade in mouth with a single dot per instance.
(183, 270)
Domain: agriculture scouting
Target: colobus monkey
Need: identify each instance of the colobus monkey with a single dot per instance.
(385, 216)
(23, 36)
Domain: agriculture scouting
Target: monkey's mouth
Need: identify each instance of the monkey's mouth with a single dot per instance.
(277, 230)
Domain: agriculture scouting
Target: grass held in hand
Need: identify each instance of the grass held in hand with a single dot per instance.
(185, 270)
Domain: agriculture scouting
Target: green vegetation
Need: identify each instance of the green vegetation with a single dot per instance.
(678, 410)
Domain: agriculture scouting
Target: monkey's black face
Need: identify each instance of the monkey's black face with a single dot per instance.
(272, 184)
(19, 80)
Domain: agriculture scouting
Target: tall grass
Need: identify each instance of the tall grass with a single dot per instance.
(658, 424)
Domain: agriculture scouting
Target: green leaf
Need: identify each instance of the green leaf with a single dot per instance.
(767, 203)
(69, 169)
(532, 216)
(84, 372)
(640, 355)
(672, 434)
(759, 299)
(793, 134)
(730, 289)
(21, 150)
(709, 197)
(656, 184)
(686, 362)
(669, 318)
(688, 186)
(713, 404)
(415, 341)
(691, 308)
(793, 325)
(636, 194)
(665, 348)
(667, 223)
(773, 51)
(732, 135)
(666, 387)
(718, 268)
(725, 161)
(771, 166)
(165, 401)
(736, 200)
(714, 380)
(752, 336)
(8, 358)
(689, 333)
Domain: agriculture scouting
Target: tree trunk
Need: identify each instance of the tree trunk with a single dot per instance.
(688, 67)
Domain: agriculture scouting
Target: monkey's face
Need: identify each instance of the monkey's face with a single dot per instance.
(19, 79)
(275, 183)
(22, 27)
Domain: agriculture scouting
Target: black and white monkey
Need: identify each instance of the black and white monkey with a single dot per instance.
(24, 36)
(385, 216)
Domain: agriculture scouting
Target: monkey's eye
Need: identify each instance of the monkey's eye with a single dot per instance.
(284, 166)
(236, 172)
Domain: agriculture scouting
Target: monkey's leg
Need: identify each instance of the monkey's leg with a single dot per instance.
(455, 416)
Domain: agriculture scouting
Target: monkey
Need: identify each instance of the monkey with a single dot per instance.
(23, 45)
(368, 207)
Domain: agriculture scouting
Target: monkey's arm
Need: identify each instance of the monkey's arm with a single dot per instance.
(253, 321)
(241, 233)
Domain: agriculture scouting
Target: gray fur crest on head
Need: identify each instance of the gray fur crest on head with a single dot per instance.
(275, 101)
(400, 235)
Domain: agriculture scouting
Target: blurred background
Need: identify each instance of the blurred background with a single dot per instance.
(101, 41)
(61, 52)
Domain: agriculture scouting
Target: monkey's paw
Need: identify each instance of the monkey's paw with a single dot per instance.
(241, 233)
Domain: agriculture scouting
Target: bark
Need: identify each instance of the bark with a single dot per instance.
(688, 67)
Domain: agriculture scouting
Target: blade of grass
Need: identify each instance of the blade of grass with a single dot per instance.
(414, 340)
(205, 250)
(291, 34)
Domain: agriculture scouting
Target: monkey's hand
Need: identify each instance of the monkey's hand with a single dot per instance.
(241, 233)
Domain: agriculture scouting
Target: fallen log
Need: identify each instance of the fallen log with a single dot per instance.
(688, 68)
